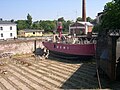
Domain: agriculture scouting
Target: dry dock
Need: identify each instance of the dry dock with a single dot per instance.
(28, 73)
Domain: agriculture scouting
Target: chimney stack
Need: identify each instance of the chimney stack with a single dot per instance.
(84, 10)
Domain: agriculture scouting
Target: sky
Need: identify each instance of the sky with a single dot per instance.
(49, 9)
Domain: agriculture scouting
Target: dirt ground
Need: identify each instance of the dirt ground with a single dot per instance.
(29, 73)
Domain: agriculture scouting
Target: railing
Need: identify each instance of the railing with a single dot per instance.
(115, 32)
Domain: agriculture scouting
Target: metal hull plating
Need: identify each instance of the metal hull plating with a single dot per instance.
(71, 49)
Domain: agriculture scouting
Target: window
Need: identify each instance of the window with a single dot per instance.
(1, 34)
(10, 28)
(1, 28)
(10, 34)
(33, 32)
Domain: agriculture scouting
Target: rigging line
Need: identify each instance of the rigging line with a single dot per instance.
(97, 72)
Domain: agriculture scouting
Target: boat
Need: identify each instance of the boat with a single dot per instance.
(66, 50)
(71, 46)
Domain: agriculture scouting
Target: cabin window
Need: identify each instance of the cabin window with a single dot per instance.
(57, 46)
(67, 47)
(33, 32)
(63, 47)
(11, 34)
(60, 47)
(10, 28)
(1, 34)
(1, 28)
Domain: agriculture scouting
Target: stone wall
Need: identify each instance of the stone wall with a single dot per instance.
(19, 47)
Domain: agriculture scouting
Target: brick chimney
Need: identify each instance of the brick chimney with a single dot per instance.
(84, 10)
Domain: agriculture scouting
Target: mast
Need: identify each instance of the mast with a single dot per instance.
(84, 10)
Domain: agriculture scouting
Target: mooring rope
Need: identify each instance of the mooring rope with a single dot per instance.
(98, 77)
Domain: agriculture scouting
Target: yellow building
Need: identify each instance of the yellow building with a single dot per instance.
(30, 33)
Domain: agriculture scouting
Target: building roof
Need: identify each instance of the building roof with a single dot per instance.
(6, 22)
(87, 23)
(76, 24)
(33, 30)
(100, 13)
(81, 24)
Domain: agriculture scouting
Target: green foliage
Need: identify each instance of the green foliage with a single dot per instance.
(47, 25)
(97, 28)
(21, 24)
(79, 19)
(36, 25)
(65, 24)
(110, 18)
(61, 19)
(111, 15)
(89, 19)
(29, 21)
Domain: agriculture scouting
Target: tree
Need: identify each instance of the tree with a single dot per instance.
(65, 24)
(21, 24)
(61, 19)
(111, 15)
(29, 21)
(89, 19)
(97, 28)
(79, 19)
(36, 25)
(12, 20)
(47, 25)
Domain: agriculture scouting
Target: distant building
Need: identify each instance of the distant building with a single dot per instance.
(98, 17)
(8, 30)
(79, 28)
(30, 33)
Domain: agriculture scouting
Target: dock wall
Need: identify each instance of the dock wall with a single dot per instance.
(19, 47)
(108, 54)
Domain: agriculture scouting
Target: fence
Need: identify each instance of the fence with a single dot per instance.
(108, 53)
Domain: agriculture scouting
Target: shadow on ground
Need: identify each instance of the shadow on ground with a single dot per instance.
(72, 60)
(84, 77)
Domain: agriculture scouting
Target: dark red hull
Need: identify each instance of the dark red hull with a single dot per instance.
(71, 49)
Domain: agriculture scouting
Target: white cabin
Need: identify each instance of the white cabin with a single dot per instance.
(8, 30)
